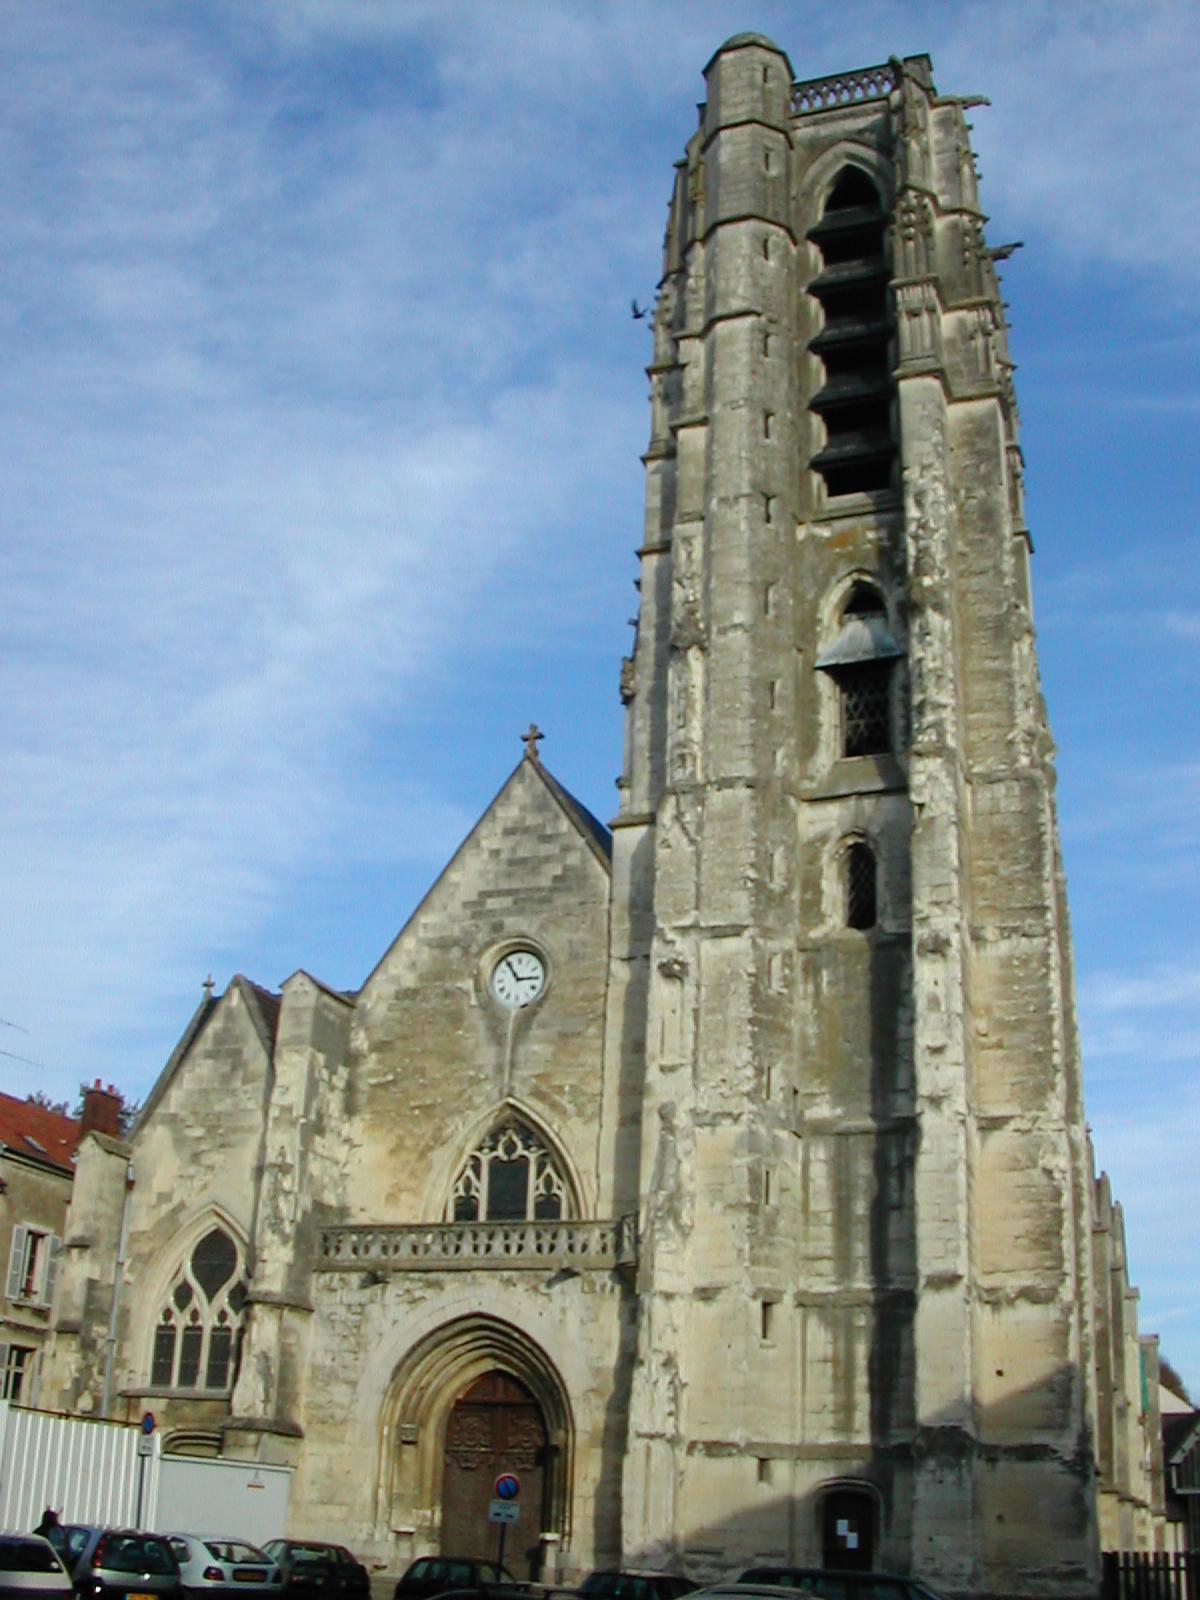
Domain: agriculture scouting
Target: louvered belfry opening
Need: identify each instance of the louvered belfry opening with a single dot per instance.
(855, 400)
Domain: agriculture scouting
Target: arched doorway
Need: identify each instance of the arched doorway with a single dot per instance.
(494, 1426)
(848, 1529)
(418, 1427)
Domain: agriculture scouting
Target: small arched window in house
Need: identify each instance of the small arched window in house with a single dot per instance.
(861, 886)
(860, 661)
(197, 1340)
(511, 1176)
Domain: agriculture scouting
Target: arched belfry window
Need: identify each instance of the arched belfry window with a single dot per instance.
(512, 1176)
(198, 1335)
(854, 401)
(861, 662)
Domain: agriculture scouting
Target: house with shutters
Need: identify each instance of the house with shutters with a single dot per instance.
(38, 1147)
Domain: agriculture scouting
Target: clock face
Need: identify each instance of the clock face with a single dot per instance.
(518, 978)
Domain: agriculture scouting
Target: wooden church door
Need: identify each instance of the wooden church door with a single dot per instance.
(496, 1426)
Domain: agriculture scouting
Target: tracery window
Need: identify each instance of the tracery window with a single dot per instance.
(511, 1176)
(197, 1341)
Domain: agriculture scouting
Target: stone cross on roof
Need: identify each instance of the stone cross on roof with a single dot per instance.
(530, 741)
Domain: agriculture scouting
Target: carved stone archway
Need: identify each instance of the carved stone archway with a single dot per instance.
(434, 1375)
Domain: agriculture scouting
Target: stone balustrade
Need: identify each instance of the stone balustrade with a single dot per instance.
(843, 89)
(444, 1246)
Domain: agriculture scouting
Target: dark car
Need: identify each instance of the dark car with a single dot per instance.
(310, 1566)
(613, 1585)
(31, 1569)
(430, 1575)
(835, 1583)
(118, 1563)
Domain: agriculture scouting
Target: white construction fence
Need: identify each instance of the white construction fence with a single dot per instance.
(110, 1473)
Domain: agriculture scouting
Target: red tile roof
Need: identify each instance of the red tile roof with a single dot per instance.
(42, 1135)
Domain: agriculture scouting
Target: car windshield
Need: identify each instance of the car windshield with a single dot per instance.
(619, 1586)
(441, 1574)
(27, 1555)
(309, 1552)
(72, 1539)
(233, 1550)
(127, 1552)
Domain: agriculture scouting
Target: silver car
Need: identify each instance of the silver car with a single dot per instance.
(216, 1565)
(30, 1569)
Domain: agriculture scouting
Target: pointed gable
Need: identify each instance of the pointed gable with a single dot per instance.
(532, 838)
(440, 1042)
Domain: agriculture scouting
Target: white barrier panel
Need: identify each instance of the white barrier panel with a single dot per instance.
(88, 1471)
(233, 1498)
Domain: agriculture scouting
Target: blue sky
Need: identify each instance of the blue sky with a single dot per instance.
(320, 419)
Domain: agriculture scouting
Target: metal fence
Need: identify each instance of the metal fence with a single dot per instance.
(1142, 1575)
(88, 1471)
(95, 1472)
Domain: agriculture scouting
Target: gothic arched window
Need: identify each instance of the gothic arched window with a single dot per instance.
(197, 1339)
(511, 1176)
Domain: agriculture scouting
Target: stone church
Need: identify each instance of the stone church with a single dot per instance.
(722, 1171)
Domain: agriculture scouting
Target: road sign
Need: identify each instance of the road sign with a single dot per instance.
(508, 1486)
(145, 1444)
(504, 1511)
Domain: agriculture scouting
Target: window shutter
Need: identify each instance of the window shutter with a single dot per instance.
(16, 1260)
(53, 1246)
(4, 1349)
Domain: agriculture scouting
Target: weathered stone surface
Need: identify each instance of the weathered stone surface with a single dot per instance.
(807, 1037)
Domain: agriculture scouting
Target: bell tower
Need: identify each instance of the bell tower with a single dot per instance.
(843, 1071)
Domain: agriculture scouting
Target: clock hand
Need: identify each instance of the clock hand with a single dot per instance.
(513, 970)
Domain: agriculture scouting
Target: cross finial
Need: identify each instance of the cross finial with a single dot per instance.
(207, 986)
(530, 741)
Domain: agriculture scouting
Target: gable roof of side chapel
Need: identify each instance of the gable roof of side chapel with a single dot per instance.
(263, 1004)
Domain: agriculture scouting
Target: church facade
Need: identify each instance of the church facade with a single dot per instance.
(722, 1173)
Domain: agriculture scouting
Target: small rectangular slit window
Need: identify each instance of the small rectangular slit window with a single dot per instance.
(766, 1326)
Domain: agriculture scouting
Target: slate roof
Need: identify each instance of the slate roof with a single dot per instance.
(1177, 1430)
(39, 1134)
(268, 1006)
(591, 827)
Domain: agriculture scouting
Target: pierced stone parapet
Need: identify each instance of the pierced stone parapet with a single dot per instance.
(843, 89)
(446, 1246)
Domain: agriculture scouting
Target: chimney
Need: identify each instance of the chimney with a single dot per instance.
(101, 1111)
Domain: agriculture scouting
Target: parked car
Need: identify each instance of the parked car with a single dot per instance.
(430, 1575)
(612, 1585)
(310, 1566)
(212, 1565)
(842, 1584)
(489, 1591)
(119, 1563)
(31, 1569)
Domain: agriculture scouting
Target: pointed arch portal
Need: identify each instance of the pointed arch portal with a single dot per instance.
(475, 1398)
